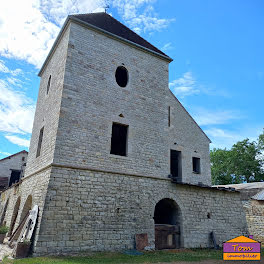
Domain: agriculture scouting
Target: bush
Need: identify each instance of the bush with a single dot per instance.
(3, 229)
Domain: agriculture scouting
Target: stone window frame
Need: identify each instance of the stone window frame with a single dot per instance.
(200, 167)
(130, 76)
(123, 121)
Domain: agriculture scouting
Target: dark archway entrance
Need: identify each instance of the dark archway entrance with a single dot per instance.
(167, 217)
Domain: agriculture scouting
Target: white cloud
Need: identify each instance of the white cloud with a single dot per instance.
(225, 138)
(166, 47)
(16, 110)
(146, 21)
(18, 141)
(184, 86)
(4, 69)
(28, 31)
(205, 117)
(5, 153)
(221, 138)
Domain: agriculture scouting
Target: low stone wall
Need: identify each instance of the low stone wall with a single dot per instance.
(16, 197)
(255, 218)
(97, 211)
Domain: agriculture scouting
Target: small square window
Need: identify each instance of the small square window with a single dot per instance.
(119, 139)
(196, 165)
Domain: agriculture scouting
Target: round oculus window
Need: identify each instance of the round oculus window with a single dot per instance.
(121, 76)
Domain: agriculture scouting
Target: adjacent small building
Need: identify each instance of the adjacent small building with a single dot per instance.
(252, 198)
(12, 168)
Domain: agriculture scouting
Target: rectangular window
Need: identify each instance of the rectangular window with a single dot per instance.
(175, 165)
(40, 141)
(15, 176)
(196, 165)
(169, 116)
(119, 139)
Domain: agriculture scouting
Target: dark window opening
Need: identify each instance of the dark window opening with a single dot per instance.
(169, 116)
(121, 76)
(119, 139)
(40, 141)
(23, 158)
(15, 177)
(48, 86)
(196, 165)
(175, 165)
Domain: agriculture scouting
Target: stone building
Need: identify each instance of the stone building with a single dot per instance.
(12, 168)
(252, 198)
(113, 153)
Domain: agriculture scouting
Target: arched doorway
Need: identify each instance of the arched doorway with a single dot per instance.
(14, 215)
(27, 207)
(167, 217)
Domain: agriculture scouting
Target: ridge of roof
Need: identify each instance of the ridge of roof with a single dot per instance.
(110, 24)
(77, 18)
(8, 157)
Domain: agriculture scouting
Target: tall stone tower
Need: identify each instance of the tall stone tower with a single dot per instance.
(113, 153)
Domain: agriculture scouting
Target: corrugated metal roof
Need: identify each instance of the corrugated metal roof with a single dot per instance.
(259, 196)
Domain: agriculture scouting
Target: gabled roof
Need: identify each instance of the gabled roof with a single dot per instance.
(110, 24)
(242, 239)
(23, 151)
(106, 24)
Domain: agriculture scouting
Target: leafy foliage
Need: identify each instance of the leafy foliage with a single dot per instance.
(244, 162)
(3, 229)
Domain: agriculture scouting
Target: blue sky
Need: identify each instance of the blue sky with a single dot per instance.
(216, 45)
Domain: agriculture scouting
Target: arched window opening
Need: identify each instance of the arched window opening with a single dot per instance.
(121, 76)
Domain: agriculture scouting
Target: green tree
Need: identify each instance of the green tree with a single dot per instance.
(244, 162)
(261, 142)
(246, 165)
(220, 166)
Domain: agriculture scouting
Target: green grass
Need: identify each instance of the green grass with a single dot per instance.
(118, 258)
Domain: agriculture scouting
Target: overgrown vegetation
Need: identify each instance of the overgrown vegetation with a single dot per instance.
(3, 229)
(244, 162)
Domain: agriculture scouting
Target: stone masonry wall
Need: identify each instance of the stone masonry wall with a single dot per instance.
(36, 186)
(92, 101)
(91, 210)
(255, 218)
(48, 109)
(186, 136)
